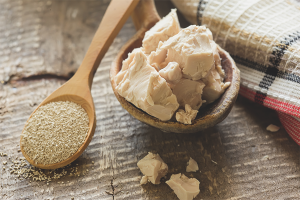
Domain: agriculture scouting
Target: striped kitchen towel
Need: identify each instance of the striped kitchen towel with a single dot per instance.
(263, 37)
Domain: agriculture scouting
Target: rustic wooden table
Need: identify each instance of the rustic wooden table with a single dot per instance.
(41, 45)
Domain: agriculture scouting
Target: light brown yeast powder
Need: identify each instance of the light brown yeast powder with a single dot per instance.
(55, 132)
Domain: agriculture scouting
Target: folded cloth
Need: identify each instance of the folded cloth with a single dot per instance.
(263, 37)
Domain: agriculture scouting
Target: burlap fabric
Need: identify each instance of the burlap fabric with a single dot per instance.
(263, 37)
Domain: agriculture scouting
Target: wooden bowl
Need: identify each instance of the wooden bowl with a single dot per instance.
(144, 17)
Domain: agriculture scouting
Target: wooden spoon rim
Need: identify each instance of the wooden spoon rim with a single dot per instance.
(218, 114)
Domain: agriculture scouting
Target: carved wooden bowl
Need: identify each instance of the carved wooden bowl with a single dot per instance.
(144, 17)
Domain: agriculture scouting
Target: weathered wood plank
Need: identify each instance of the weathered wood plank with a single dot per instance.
(46, 37)
(238, 159)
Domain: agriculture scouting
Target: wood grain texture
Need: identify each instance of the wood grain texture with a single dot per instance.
(46, 37)
(252, 163)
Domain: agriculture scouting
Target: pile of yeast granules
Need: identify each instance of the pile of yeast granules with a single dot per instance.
(55, 132)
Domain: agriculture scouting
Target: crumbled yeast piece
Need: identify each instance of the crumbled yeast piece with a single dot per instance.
(153, 167)
(161, 31)
(188, 92)
(216, 54)
(183, 187)
(186, 116)
(272, 128)
(190, 48)
(144, 180)
(171, 73)
(139, 83)
(214, 86)
(192, 166)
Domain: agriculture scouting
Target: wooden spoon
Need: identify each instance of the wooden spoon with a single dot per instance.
(144, 17)
(78, 88)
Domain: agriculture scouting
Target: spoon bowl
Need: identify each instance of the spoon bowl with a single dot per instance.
(144, 17)
(78, 88)
(82, 97)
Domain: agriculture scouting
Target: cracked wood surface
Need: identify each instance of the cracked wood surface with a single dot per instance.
(46, 41)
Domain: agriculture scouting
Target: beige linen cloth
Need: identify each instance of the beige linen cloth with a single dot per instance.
(263, 37)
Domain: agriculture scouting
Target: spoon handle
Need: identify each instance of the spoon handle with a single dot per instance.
(145, 15)
(114, 18)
